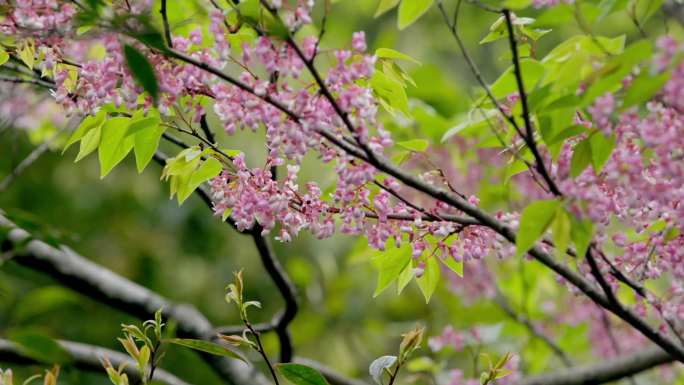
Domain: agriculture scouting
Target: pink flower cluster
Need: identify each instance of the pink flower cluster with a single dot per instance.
(38, 18)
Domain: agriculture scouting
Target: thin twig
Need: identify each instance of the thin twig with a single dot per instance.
(505, 306)
(165, 20)
(529, 137)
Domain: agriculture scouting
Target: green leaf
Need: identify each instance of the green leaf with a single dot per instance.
(89, 123)
(301, 374)
(207, 170)
(506, 84)
(514, 168)
(115, 144)
(417, 145)
(40, 347)
(392, 262)
(643, 88)
(560, 230)
(390, 91)
(581, 157)
(453, 265)
(569, 132)
(207, 347)
(497, 30)
(404, 278)
(4, 56)
(581, 233)
(41, 301)
(146, 142)
(27, 53)
(411, 10)
(388, 53)
(534, 220)
(89, 143)
(142, 71)
(601, 148)
(428, 281)
(384, 6)
(475, 121)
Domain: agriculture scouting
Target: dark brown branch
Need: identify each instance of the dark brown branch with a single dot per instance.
(83, 276)
(596, 272)
(529, 130)
(286, 290)
(206, 130)
(88, 357)
(165, 21)
(453, 28)
(35, 82)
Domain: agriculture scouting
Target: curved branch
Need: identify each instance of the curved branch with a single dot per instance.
(529, 130)
(88, 278)
(88, 357)
(603, 372)
(506, 307)
(286, 289)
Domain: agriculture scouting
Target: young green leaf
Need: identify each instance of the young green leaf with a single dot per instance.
(581, 158)
(142, 71)
(601, 148)
(643, 88)
(392, 262)
(453, 265)
(301, 374)
(428, 281)
(4, 56)
(146, 141)
(384, 6)
(412, 10)
(89, 123)
(115, 144)
(560, 230)
(388, 53)
(581, 233)
(416, 145)
(89, 143)
(534, 220)
(390, 91)
(404, 278)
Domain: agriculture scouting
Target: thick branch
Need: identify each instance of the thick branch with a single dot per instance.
(605, 371)
(88, 357)
(80, 274)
